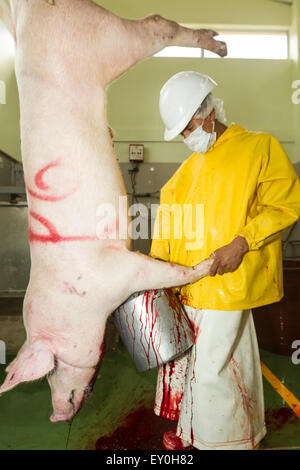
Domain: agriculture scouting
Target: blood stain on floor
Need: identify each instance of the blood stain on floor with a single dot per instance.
(276, 419)
(142, 430)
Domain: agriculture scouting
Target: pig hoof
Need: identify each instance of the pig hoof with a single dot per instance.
(219, 47)
(55, 418)
(222, 51)
(206, 41)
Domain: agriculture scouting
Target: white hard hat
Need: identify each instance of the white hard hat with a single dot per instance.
(180, 97)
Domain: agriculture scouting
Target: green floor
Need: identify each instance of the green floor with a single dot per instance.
(119, 390)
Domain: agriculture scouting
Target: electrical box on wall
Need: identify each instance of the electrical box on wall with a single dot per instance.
(136, 152)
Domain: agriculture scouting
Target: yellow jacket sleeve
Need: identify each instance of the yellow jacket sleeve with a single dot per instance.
(160, 247)
(278, 198)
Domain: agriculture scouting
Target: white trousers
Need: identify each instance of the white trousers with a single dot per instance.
(215, 390)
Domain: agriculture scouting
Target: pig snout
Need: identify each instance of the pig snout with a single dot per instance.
(70, 387)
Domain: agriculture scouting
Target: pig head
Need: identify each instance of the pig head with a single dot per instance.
(67, 52)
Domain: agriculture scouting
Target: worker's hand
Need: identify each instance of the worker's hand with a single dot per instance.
(228, 258)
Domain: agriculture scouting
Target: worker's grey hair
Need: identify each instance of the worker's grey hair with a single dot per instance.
(210, 103)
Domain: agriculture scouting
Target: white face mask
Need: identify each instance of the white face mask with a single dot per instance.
(201, 141)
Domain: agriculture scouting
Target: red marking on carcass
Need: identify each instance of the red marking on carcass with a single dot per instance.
(41, 185)
(53, 236)
(72, 290)
(48, 198)
(115, 248)
(40, 174)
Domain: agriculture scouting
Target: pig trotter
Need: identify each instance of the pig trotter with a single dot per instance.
(205, 39)
(145, 37)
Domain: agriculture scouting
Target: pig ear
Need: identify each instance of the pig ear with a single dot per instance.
(33, 362)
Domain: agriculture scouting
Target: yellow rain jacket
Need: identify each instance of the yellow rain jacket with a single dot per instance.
(244, 185)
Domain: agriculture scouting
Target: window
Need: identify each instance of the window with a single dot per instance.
(241, 45)
(175, 51)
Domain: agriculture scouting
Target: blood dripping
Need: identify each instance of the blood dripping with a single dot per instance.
(151, 327)
(146, 328)
(171, 401)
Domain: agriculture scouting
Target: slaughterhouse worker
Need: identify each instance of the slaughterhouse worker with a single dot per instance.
(249, 193)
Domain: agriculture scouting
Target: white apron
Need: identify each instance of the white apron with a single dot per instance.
(215, 390)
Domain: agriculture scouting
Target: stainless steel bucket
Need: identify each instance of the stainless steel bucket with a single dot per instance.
(154, 328)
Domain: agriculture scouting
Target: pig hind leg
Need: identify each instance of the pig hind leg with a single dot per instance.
(169, 33)
(141, 272)
(140, 39)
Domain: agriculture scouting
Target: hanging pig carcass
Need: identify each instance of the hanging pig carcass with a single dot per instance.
(67, 53)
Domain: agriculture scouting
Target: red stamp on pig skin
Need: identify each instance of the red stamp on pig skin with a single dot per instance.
(42, 186)
(72, 290)
(53, 236)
